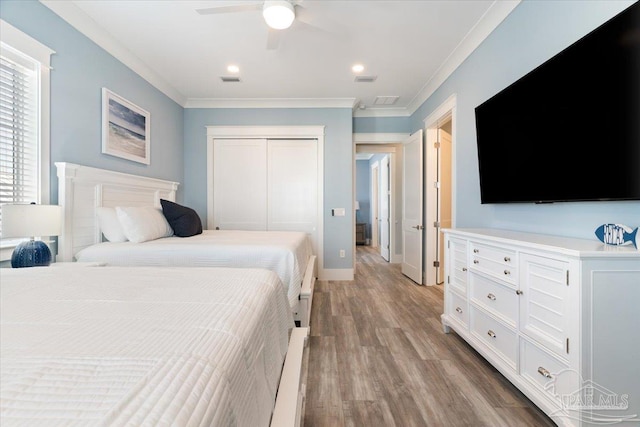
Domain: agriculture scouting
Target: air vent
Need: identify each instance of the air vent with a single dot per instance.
(366, 79)
(385, 100)
(230, 79)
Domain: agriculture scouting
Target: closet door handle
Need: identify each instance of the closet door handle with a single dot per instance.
(492, 297)
(459, 310)
(491, 333)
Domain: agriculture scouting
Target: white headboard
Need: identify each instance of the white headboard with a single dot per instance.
(81, 189)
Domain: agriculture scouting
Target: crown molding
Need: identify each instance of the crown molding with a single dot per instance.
(270, 103)
(496, 13)
(75, 17)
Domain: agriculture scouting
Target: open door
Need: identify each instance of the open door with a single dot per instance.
(375, 216)
(412, 195)
(384, 208)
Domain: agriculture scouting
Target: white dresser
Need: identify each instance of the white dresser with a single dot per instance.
(559, 317)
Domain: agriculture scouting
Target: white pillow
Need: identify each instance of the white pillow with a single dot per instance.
(110, 225)
(141, 224)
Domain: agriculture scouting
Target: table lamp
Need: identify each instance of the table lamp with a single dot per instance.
(31, 221)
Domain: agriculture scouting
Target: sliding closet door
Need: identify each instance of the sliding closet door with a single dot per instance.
(240, 184)
(293, 186)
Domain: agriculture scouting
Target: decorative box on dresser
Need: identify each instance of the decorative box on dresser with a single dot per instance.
(559, 317)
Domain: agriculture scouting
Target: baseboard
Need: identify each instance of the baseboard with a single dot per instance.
(336, 274)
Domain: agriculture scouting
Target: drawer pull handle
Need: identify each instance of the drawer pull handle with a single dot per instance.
(518, 292)
(544, 372)
(475, 261)
(491, 333)
(464, 268)
(492, 297)
(507, 259)
(475, 251)
(459, 310)
(507, 272)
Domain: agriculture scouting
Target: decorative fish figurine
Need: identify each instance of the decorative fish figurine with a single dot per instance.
(617, 234)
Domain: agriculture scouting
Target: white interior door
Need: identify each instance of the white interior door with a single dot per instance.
(384, 208)
(239, 184)
(375, 216)
(292, 186)
(412, 197)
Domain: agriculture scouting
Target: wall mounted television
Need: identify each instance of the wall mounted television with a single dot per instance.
(570, 129)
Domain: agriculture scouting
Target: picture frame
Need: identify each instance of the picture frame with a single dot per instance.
(125, 129)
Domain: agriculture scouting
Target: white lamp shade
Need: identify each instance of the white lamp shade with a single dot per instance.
(31, 220)
(278, 14)
(357, 206)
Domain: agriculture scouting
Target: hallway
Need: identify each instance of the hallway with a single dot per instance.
(378, 357)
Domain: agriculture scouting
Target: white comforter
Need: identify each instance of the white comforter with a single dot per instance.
(284, 252)
(140, 346)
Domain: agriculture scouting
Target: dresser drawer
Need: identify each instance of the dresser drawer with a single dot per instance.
(547, 373)
(458, 308)
(498, 299)
(498, 262)
(457, 252)
(498, 336)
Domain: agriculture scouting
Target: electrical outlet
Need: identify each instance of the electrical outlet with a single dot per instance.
(342, 253)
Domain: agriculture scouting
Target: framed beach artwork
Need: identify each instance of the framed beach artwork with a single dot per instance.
(125, 129)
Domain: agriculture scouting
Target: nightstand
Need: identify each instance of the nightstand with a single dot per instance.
(361, 233)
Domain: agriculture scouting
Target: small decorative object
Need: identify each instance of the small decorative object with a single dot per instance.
(125, 129)
(30, 221)
(617, 234)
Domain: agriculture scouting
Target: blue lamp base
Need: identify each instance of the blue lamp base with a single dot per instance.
(34, 253)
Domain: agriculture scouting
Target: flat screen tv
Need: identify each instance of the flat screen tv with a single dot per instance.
(570, 129)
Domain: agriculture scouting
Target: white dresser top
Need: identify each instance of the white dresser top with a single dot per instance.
(583, 248)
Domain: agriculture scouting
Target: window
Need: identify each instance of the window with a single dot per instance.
(24, 121)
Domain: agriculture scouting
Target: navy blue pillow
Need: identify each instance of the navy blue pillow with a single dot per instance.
(184, 221)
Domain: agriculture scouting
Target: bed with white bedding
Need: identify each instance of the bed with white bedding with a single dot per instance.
(141, 346)
(82, 190)
(284, 252)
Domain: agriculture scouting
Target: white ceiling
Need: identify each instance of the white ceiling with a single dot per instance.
(411, 46)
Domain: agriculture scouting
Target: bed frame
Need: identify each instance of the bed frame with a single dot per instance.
(81, 189)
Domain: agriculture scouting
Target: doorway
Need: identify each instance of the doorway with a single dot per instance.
(377, 190)
(439, 185)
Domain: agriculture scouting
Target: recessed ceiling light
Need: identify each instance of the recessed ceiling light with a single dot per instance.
(358, 68)
(233, 69)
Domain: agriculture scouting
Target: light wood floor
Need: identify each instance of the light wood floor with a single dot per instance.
(378, 357)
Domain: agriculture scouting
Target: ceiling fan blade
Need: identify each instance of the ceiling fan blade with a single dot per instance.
(273, 39)
(230, 9)
(303, 16)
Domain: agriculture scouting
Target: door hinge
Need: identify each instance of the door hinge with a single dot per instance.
(567, 345)
(448, 244)
(436, 184)
(448, 281)
(436, 263)
(567, 277)
(436, 144)
(436, 224)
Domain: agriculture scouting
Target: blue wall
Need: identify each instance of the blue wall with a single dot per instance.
(80, 70)
(534, 32)
(338, 158)
(381, 124)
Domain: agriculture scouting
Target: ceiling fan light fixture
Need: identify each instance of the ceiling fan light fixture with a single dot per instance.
(278, 14)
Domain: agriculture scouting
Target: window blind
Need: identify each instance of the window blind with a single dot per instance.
(19, 119)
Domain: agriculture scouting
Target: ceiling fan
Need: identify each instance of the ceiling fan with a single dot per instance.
(278, 15)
